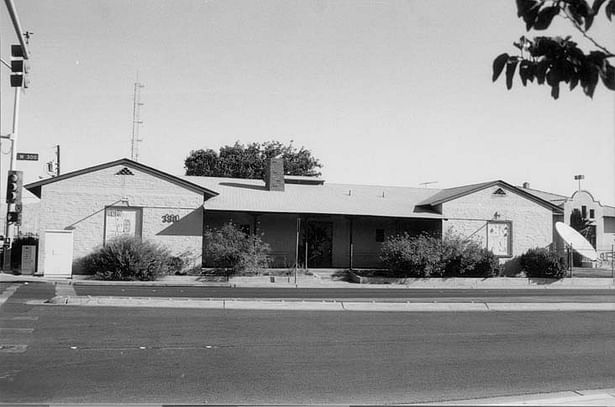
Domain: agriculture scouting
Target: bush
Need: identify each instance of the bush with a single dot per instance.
(412, 256)
(175, 265)
(467, 258)
(542, 263)
(230, 248)
(128, 258)
(432, 256)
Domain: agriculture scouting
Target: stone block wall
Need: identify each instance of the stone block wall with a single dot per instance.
(79, 203)
(532, 224)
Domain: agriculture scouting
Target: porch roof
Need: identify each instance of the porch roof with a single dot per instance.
(250, 195)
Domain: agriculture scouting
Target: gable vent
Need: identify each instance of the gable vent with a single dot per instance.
(499, 192)
(124, 171)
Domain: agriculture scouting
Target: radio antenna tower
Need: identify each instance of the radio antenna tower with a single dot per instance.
(136, 121)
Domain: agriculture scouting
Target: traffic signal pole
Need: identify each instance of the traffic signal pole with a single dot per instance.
(25, 54)
(15, 127)
(10, 207)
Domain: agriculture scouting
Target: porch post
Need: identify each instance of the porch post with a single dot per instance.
(305, 239)
(297, 247)
(351, 246)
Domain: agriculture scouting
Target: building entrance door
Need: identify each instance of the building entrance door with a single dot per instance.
(319, 238)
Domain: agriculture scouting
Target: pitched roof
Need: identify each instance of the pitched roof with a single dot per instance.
(450, 194)
(342, 199)
(547, 196)
(35, 187)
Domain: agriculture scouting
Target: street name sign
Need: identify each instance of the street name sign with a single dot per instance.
(27, 156)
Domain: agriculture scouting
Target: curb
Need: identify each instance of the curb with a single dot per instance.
(320, 305)
(598, 397)
(313, 282)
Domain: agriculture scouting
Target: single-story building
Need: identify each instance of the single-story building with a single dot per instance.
(304, 219)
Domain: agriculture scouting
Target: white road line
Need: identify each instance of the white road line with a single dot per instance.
(6, 294)
(16, 330)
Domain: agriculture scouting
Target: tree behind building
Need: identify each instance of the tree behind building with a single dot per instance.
(248, 161)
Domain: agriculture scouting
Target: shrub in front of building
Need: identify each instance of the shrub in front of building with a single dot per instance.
(128, 258)
(432, 256)
(235, 251)
(412, 256)
(467, 258)
(542, 263)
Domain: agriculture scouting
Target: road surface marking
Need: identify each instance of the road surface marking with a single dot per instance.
(16, 330)
(18, 318)
(10, 348)
(8, 292)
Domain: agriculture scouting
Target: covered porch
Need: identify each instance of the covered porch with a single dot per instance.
(317, 241)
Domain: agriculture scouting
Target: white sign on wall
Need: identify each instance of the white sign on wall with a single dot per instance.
(122, 222)
(499, 238)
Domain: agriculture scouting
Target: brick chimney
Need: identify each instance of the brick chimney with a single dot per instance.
(526, 185)
(274, 174)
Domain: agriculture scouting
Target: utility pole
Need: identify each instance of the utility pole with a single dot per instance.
(18, 79)
(136, 121)
(12, 207)
(57, 160)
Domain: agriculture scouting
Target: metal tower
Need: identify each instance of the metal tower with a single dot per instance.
(136, 122)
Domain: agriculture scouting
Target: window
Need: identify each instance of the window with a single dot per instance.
(122, 221)
(380, 235)
(592, 214)
(584, 211)
(499, 238)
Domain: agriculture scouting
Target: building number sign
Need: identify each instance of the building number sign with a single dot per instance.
(170, 218)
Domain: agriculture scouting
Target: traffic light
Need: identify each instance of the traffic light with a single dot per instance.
(19, 68)
(14, 185)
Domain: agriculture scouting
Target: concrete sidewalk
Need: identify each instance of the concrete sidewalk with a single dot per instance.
(67, 296)
(600, 397)
(316, 281)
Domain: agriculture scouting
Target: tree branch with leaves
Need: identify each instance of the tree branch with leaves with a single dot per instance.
(556, 60)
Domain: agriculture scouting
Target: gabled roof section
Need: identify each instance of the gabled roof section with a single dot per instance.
(35, 187)
(450, 194)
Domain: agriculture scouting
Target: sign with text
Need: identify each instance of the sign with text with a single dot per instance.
(27, 156)
(499, 238)
(122, 222)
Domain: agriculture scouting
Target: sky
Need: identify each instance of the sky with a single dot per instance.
(382, 92)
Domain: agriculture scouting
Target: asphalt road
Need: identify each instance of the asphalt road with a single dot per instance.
(379, 294)
(98, 355)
